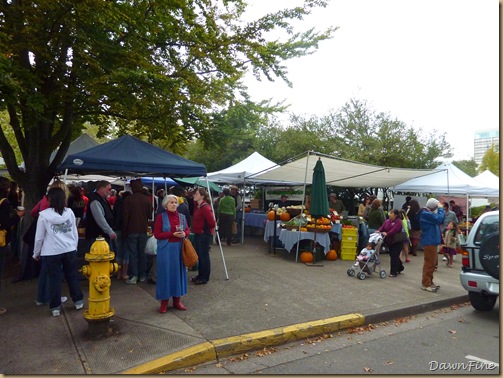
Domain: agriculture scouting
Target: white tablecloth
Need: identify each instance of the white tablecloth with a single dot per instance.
(289, 238)
(269, 230)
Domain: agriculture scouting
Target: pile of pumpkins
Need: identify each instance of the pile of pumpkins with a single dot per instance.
(280, 214)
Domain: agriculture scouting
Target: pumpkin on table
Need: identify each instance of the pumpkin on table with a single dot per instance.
(285, 217)
(271, 215)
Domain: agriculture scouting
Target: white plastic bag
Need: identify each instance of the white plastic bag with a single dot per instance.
(151, 246)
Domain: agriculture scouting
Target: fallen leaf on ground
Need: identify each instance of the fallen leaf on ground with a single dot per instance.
(265, 351)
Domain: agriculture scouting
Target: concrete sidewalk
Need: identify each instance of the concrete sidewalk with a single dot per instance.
(268, 299)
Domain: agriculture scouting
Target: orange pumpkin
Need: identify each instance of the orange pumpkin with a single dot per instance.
(271, 215)
(285, 217)
(306, 257)
(331, 255)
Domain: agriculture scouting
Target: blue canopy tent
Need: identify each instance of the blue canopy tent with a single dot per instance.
(130, 156)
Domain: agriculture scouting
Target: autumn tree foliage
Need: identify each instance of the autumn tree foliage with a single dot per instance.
(159, 70)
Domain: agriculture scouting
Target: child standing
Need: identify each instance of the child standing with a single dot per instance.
(450, 243)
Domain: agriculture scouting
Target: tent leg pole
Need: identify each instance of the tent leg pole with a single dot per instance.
(216, 229)
(243, 205)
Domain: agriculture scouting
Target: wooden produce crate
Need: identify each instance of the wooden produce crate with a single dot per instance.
(255, 204)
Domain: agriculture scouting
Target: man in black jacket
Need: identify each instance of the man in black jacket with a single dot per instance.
(99, 216)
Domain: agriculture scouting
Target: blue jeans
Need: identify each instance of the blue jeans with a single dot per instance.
(119, 247)
(202, 246)
(43, 294)
(53, 264)
(135, 247)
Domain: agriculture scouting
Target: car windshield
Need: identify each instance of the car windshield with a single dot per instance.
(489, 225)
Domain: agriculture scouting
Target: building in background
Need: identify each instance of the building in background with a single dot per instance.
(482, 141)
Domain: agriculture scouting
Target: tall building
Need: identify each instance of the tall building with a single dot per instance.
(482, 141)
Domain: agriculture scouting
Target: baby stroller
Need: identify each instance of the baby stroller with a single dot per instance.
(369, 265)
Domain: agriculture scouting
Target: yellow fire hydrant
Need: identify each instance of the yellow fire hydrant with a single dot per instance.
(98, 272)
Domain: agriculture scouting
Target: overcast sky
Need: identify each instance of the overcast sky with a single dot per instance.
(433, 64)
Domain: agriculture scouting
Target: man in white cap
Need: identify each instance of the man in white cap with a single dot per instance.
(430, 217)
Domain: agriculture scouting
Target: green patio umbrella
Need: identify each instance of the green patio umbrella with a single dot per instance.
(319, 199)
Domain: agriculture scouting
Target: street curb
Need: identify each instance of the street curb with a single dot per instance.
(215, 349)
(228, 346)
(414, 310)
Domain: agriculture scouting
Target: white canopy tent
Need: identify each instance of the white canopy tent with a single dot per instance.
(237, 173)
(490, 181)
(338, 172)
(447, 179)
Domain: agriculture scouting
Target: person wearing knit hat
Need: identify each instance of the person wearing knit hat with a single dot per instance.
(430, 218)
(432, 204)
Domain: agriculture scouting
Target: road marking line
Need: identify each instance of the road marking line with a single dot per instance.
(469, 357)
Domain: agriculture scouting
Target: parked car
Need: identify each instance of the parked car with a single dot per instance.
(481, 262)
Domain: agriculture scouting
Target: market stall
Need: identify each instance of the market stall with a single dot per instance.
(291, 237)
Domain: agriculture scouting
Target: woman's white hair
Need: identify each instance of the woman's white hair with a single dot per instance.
(167, 198)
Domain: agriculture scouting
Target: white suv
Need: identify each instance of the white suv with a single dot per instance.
(481, 262)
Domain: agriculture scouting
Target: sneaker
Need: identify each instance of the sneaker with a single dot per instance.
(444, 258)
(64, 299)
(431, 289)
(56, 312)
(40, 303)
(143, 279)
(131, 281)
(79, 305)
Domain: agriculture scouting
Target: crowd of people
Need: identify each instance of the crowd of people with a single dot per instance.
(435, 226)
(125, 219)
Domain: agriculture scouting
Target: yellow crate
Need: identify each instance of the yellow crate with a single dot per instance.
(351, 238)
(349, 244)
(348, 253)
(348, 256)
(349, 232)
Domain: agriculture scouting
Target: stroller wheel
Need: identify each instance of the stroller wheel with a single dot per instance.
(382, 274)
(361, 275)
(351, 272)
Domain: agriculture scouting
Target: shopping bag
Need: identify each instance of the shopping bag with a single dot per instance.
(401, 237)
(189, 253)
(461, 239)
(151, 246)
